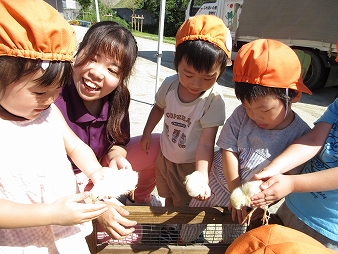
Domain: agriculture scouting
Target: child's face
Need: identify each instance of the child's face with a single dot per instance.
(268, 112)
(25, 98)
(194, 82)
(97, 78)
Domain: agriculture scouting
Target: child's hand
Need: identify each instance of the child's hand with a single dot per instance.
(145, 142)
(71, 210)
(197, 186)
(273, 190)
(237, 214)
(114, 223)
(120, 162)
(266, 173)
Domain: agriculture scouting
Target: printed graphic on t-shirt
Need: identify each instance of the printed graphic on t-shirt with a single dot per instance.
(327, 158)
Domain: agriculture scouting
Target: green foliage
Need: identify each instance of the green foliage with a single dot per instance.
(85, 3)
(174, 16)
(88, 13)
(130, 4)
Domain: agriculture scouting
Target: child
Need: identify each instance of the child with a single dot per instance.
(267, 76)
(311, 198)
(95, 105)
(41, 211)
(192, 105)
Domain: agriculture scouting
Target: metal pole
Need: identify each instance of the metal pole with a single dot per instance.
(160, 41)
(97, 11)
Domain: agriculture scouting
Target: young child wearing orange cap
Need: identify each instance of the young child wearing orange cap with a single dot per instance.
(267, 76)
(41, 209)
(193, 108)
(311, 197)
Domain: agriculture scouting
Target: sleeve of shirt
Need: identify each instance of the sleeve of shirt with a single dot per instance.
(228, 138)
(163, 90)
(214, 114)
(331, 113)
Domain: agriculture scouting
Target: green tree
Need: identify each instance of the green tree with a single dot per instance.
(85, 3)
(174, 16)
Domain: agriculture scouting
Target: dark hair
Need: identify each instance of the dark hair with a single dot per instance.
(201, 55)
(249, 92)
(112, 39)
(12, 69)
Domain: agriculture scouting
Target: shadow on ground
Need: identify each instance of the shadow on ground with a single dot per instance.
(322, 97)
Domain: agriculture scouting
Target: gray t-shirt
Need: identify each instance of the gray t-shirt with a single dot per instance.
(256, 147)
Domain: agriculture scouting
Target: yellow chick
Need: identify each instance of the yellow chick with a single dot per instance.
(114, 184)
(196, 185)
(241, 196)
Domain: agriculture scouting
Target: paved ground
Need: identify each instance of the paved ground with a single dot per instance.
(142, 87)
(143, 81)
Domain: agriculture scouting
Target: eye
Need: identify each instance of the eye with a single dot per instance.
(114, 71)
(38, 93)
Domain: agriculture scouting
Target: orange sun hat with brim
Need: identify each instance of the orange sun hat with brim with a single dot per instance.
(34, 29)
(269, 63)
(208, 28)
(276, 239)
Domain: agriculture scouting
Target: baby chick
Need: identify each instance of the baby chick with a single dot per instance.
(114, 183)
(196, 185)
(241, 196)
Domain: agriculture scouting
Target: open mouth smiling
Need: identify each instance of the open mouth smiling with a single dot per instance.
(91, 86)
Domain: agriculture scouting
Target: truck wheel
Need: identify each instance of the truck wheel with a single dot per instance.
(317, 73)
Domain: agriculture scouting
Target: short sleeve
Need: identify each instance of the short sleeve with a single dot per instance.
(214, 114)
(229, 134)
(163, 90)
(331, 113)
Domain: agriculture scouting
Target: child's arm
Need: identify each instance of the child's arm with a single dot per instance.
(64, 211)
(301, 150)
(80, 153)
(231, 172)
(117, 157)
(197, 182)
(280, 186)
(155, 116)
(205, 151)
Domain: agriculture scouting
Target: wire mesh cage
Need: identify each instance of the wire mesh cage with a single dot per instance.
(162, 226)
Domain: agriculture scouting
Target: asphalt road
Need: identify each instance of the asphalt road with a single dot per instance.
(142, 86)
(143, 82)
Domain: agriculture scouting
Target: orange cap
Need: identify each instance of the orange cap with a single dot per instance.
(276, 239)
(34, 29)
(337, 51)
(208, 28)
(269, 63)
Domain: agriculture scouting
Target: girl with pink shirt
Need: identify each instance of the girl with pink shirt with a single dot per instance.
(42, 210)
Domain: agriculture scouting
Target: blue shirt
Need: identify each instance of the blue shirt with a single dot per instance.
(319, 210)
(90, 129)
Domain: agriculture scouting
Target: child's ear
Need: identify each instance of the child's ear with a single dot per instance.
(297, 97)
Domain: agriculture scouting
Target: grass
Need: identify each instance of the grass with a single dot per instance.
(153, 37)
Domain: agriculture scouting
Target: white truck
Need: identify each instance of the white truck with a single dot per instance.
(307, 25)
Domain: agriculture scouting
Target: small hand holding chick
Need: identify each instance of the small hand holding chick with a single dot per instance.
(241, 196)
(114, 183)
(197, 186)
